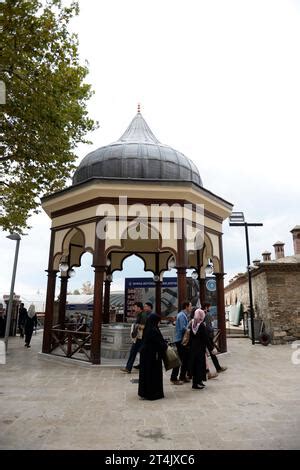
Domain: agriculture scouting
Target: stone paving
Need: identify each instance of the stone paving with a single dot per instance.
(255, 404)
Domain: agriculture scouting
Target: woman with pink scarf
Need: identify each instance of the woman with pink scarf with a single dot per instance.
(199, 341)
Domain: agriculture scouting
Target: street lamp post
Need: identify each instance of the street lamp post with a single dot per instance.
(17, 238)
(237, 219)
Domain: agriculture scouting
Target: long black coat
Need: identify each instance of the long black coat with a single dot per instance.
(150, 373)
(198, 344)
(30, 323)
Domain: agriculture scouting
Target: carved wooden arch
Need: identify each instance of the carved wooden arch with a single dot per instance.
(87, 250)
(122, 246)
(208, 247)
(141, 255)
(68, 238)
(128, 255)
(217, 264)
(66, 243)
(128, 251)
(208, 253)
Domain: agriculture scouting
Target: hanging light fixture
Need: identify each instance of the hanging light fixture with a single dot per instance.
(108, 262)
(172, 263)
(194, 275)
(209, 268)
(63, 267)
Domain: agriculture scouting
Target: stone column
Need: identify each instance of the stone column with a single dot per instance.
(181, 259)
(49, 311)
(62, 300)
(181, 285)
(221, 311)
(97, 315)
(158, 297)
(202, 289)
(106, 301)
(100, 266)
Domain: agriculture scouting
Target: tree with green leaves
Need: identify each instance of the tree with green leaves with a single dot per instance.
(45, 113)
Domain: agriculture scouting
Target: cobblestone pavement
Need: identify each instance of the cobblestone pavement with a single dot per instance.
(255, 404)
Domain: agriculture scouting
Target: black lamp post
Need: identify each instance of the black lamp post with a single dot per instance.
(16, 237)
(237, 219)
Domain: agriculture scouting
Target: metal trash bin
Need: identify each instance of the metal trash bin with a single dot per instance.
(257, 328)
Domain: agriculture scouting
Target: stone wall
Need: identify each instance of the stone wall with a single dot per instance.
(283, 314)
(276, 299)
(237, 291)
(260, 295)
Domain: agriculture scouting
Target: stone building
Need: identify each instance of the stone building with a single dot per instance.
(276, 291)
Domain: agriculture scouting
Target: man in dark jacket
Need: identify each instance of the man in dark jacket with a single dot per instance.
(22, 319)
(2, 325)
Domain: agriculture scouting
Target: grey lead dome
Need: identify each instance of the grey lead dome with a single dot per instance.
(137, 155)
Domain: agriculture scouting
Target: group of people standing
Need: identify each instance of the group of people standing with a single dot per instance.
(149, 342)
(193, 354)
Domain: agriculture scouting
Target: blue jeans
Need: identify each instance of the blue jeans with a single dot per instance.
(135, 348)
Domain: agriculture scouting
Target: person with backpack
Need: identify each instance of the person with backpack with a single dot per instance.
(137, 331)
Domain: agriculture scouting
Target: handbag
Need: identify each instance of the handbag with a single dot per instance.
(186, 337)
(171, 359)
(134, 330)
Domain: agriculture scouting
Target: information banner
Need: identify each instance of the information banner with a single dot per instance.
(142, 289)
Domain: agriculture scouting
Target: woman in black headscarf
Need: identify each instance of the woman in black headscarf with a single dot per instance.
(153, 349)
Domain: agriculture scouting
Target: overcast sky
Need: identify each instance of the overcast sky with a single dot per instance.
(218, 81)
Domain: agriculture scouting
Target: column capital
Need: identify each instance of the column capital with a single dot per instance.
(51, 272)
(181, 268)
(220, 274)
(99, 268)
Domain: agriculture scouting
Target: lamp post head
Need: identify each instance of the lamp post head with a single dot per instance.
(237, 217)
(209, 270)
(14, 236)
(63, 267)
